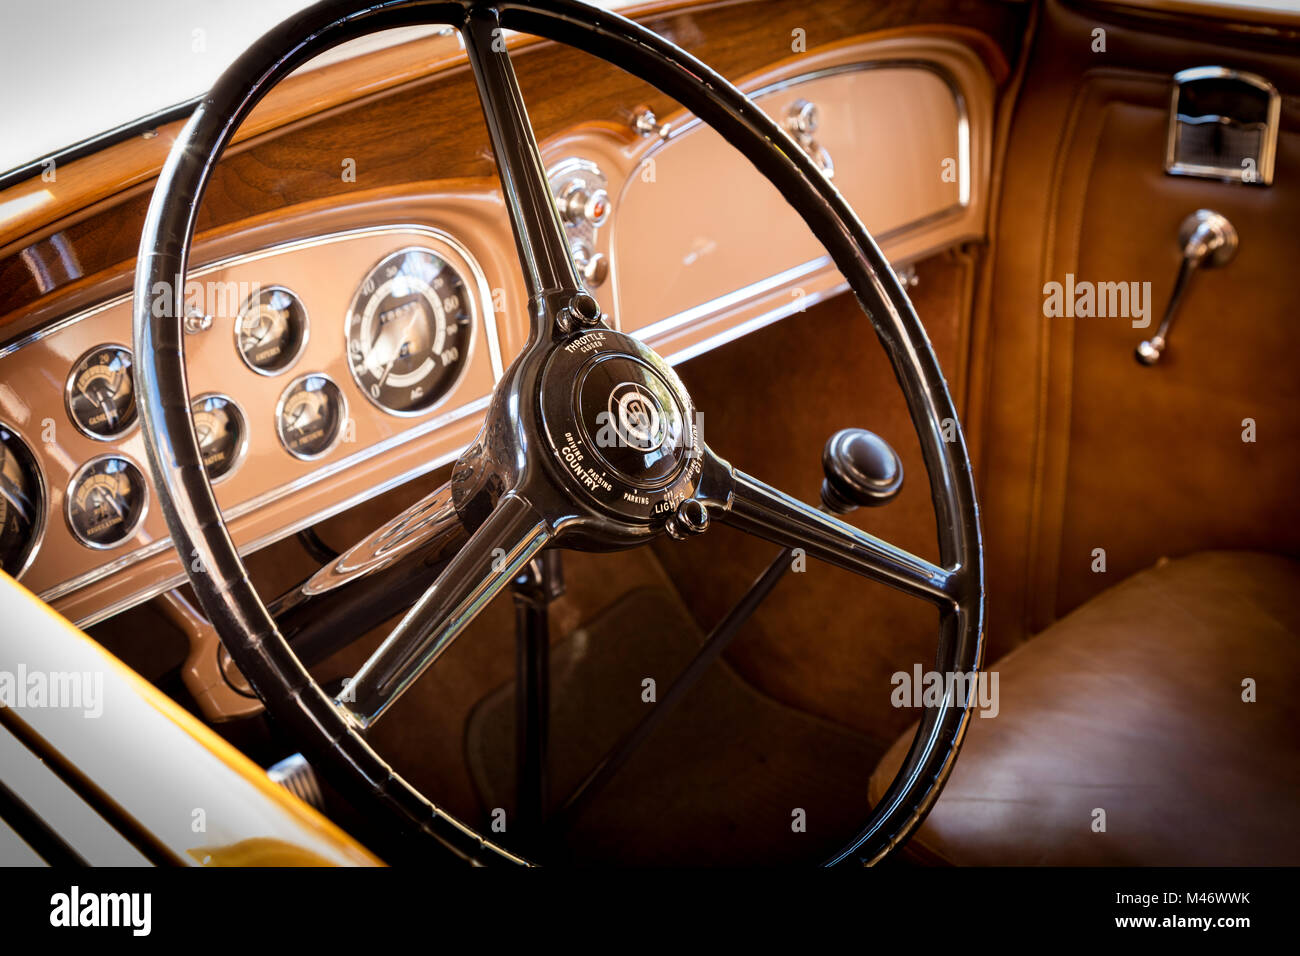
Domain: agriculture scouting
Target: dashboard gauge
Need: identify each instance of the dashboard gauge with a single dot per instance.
(100, 398)
(408, 331)
(309, 417)
(220, 427)
(106, 501)
(271, 331)
(22, 503)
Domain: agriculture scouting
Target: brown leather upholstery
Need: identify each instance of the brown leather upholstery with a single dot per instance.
(1133, 704)
(1073, 436)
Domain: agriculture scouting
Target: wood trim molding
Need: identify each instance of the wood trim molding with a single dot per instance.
(290, 150)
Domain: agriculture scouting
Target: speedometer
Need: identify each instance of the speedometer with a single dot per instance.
(409, 331)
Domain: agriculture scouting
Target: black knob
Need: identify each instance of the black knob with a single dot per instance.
(690, 518)
(585, 309)
(861, 470)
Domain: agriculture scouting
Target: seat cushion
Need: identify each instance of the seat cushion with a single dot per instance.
(1133, 704)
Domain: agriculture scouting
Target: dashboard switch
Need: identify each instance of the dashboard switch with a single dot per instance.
(579, 205)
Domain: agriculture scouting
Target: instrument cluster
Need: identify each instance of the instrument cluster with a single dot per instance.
(406, 338)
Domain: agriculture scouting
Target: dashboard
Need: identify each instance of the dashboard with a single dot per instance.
(338, 349)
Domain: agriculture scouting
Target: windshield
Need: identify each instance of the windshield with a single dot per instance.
(121, 60)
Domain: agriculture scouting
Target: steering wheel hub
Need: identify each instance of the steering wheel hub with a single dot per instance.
(620, 425)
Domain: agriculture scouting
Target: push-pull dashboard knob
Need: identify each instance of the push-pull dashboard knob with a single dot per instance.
(593, 266)
(580, 205)
(1208, 240)
(862, 470)
(802, 118)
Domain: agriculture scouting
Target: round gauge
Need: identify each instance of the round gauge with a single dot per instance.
(271, 330)
(105, 501)
(22, 503)
(100, 399)
(309, 417)
(219, 425)
(409, 331)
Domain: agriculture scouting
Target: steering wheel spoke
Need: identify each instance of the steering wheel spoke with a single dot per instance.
(549, 273)
(506, 541)
(386, 570)
(773, 515)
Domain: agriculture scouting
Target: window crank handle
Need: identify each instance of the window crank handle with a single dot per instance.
(1209, 240)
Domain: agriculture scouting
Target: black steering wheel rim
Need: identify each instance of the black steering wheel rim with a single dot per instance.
(328, 737)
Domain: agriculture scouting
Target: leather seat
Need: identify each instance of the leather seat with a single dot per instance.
(1133, 704)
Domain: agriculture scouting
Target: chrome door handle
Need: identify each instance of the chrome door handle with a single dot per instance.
(1209, 240)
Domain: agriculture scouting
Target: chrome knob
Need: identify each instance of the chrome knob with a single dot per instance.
(579, 205)
(646, 123)
(196, 321)
(802, 117)
(593, 266)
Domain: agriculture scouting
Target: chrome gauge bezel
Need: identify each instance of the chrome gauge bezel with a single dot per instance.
(67, 396)
(279, 416)
(43, 493)
(302, 341)
(242, 449)
(75, 480)
(474, 283)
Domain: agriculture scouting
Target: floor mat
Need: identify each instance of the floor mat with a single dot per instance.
(719, 783)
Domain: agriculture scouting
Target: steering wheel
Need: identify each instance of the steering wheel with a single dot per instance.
(527, 481)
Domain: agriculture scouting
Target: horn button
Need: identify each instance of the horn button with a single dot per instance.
(620, 424)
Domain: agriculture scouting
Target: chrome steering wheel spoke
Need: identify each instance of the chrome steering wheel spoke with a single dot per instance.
(557, 300)
(510, 537)
(765, 512)
(385, 571)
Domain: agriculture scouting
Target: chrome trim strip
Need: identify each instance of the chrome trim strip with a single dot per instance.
(53, 799)
(752, 325)
(762, 287)
(731, 299)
